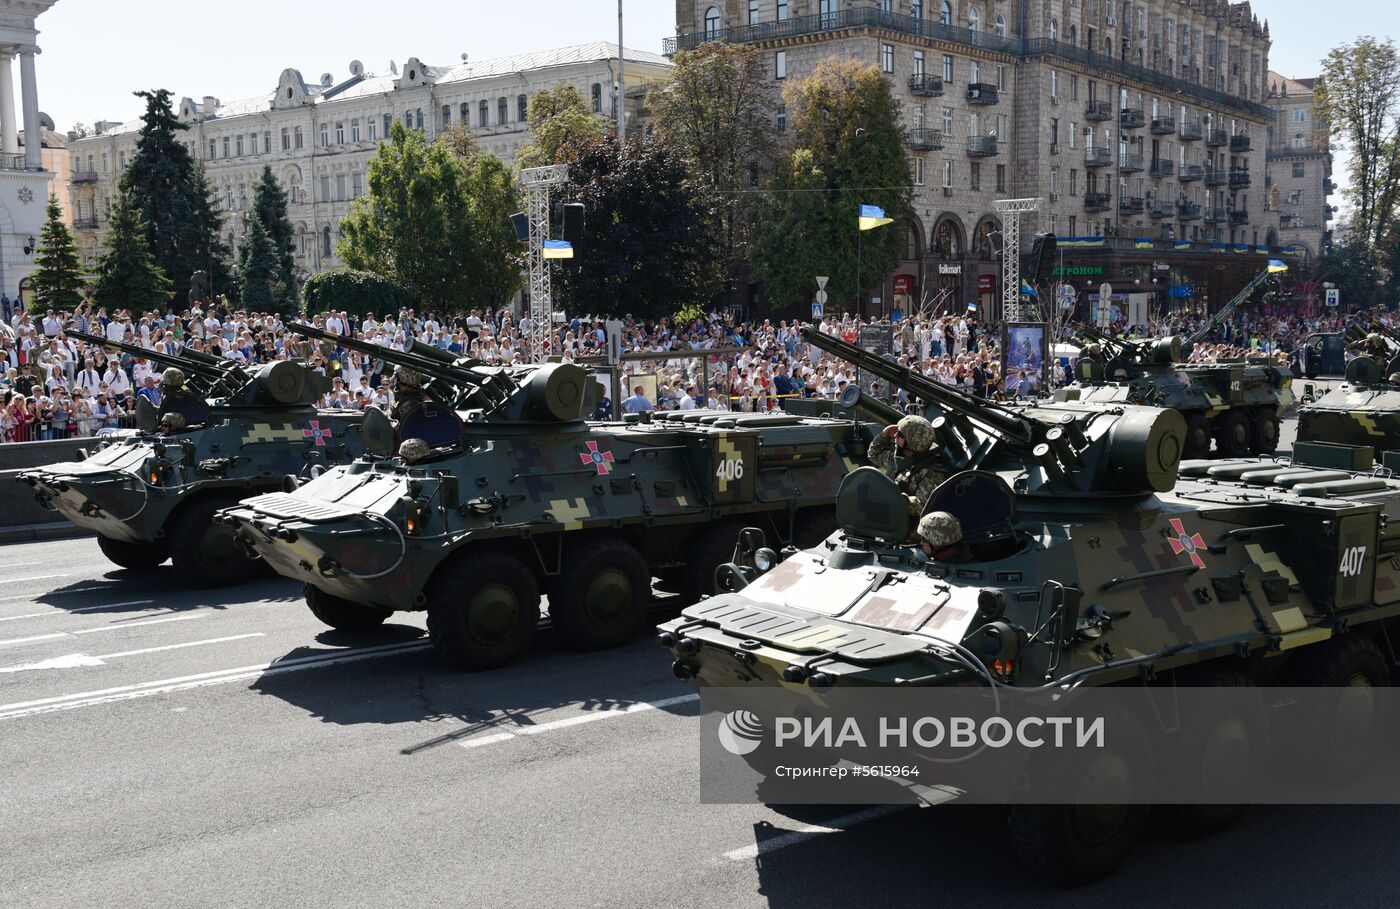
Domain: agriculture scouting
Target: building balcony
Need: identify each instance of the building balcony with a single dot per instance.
(1161, 210)
(1329, 186)
(1295, 151)
(1217, 138)
(926, 85)
(1217, 178)
(1132, 118)
(1239, 143)
(925, 139)
(981, 146)
(85, 224)
(1188, 211)
(1239, 179)
(1239, 218)
(1191, 132)
(1130, 163)
(1131, 205)
(865, 17)
(1191, 172)
(1098, 157)
(1163, 126)
(1096, 201)
(1098, 111)
(1163, 167)
(1215, 215)
(82, 176)
(982, 94)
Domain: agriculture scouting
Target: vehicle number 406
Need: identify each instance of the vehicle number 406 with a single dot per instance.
(1353, 558)
(732, 469)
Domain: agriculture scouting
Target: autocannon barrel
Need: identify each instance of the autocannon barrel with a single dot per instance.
(959, 402)
(414, 359)
(209, 367)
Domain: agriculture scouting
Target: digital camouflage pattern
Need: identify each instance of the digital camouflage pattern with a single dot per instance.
(940, 529)
(917, 473)
(1365, 408)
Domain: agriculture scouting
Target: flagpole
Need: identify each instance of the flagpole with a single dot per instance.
(860, 238)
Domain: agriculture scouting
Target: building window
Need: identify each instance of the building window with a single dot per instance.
(340, 187)
(252, 143)
(597, 98)
(1001, 77)
(918, 63)
(325, 135)
(357, 185)
(286, 139)
(1054, 83)
(355, 130)
(483, 115)
(408, 119)
(1300, 116)
(780, 65)
(999, 27)
(918, 171)
(340, 132)
(1001, 178)
(1054, 131)
(782, 10)
(419, 117)
(974, 19)
(948, 173)
(522, 108)
(780, 118)
(945, 13)
(466, 110)
(974, 176)
(226, 145)
(298, 138)
(887, 58)
(267, 142)
(948, 68)
(1073, 182)
(974, 73)
(1054, 29)
(947, 121)
(446, 117)
(916, 9)
(1054, 181)
(1073, 87)
(326, 241)
(213, 151)
(712, 22)
(238, 145)
(753, 12)
(371, 128)
(1073, 134)
(502, 111)
(1299, 169)
(325, 187)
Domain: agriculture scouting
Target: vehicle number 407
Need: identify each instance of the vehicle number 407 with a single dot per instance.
(1353, 558)
(732, 469)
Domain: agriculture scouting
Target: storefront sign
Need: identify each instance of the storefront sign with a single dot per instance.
(986, 284)
(949, 269)
(1078, 271)
(904, 284)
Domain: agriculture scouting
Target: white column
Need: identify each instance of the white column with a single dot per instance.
(9, 130)
(33, 132)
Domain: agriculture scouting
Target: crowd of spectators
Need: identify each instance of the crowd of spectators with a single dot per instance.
(55, 386)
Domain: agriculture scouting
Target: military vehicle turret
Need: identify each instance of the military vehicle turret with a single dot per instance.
(1365, 408)
(1238, 405)
(516, 497)
(233, 432)
(1103, 569)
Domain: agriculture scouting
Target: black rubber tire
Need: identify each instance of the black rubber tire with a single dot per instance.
(1185, 821)
(1232, 435)
(205, 553)
(1047, 840)
(1197, 438)
(813, 525)
(133, 556)
(707, 549)
(606, 573)
(1352, 660)
(341, 613)
(1263, 434)
(483, 609)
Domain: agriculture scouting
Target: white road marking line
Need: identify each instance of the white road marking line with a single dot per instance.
(115, 627)
(37, 615)
(82, 660)
(54, 593)
(184, 683)
(232, 637)
(793, 837)
(497, 737)
(37, 577)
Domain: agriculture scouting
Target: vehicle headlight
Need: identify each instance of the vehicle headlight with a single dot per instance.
(765, 559)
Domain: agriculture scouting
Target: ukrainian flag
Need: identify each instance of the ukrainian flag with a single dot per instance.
(1142, 243)
(1182, 244)
(558, 249)
(1217, 247)
(1027, 289)
(1241, 247)
(972, 307)
(1081, 242)
(873, 216)
(1262, 250)
(1275, 266)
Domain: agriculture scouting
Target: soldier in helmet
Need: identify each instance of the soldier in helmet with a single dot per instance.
(408, 391)
(941, 538)
(175, 397)
(413, 450)
(172, 423)
(907, 454)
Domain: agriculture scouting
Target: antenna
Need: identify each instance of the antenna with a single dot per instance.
(327, 80)
(393, 68)
(464, 58)
(357, 68)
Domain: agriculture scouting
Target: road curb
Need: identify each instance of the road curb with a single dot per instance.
(29, 533)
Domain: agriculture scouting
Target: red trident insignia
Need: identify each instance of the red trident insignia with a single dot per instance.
(603, 460)
(1192, 544)
(317, 433)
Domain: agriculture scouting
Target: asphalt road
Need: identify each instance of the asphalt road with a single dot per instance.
(167, 747)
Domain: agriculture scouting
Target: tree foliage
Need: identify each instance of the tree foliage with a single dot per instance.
(849, 152)
(650, 248)
(360, 293)
(558, 117)
(58, 275)
(1355, 268)
(270, 212)
(259, 270)
(168, 186)
(433, 222)
(1359, 97)
(717, 107)
(127, 274)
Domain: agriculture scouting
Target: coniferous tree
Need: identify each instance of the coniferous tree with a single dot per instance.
(270, 210)
(259, 269)
(58, 278)
(127, 274)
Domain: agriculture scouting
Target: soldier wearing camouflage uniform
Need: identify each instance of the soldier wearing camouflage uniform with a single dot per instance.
(408, 392)
(907, 455)
(941, 538)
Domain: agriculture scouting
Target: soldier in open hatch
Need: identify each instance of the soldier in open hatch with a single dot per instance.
(408, 391)
(941, 538)
(907, 455)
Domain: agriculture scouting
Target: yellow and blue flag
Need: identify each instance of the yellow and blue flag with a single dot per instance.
(873, 216)
(1182, 244)
(1028, 290)
(558, 249)
(1142, 243)
(1275, 266)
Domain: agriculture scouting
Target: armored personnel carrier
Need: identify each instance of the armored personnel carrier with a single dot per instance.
(1083, 562)
(151, 496)
(513, 496)
(1238, 405)
(1365, 409)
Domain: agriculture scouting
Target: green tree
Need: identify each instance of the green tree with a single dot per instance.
(650, 248)
(1358, 96)
(422, 226)
(1355, 268)
(259, 270)
(850, 152)
(717, 107)
(360, 293)
(270, 211)
(558, 117)
(58, 275)
(169, 187)
(127, 274)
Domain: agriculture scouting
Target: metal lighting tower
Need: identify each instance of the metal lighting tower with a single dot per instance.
(1011, 211)
(539, 183)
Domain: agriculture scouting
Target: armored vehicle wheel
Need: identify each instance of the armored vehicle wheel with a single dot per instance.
(483, 608)
(600, 597)
(341, 613)
(1219, 751)
(1263, 434)
(1197, 438)
(709, 548)
(206, 553)
(1232, 435)
(135, 556)
(1343, 733)
(1075, 844)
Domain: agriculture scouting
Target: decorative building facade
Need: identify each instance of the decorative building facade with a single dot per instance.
(319, 138)
(24, 180)
(1140, 125)
(1299, 177)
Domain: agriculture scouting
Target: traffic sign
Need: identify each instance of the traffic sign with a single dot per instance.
(821, 296)
(1334, 296)
(821, 282)
(1067, 295)
(816, 311)
(613, 333)
(1105, 301)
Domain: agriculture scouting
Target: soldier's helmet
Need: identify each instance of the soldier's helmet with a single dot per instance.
(940, 529)
(172, 422)
(413, 450)
(172, 379)
(917, 432)
(1375, 341)
(1395, 378)
(405, 377)
(1093, 350)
